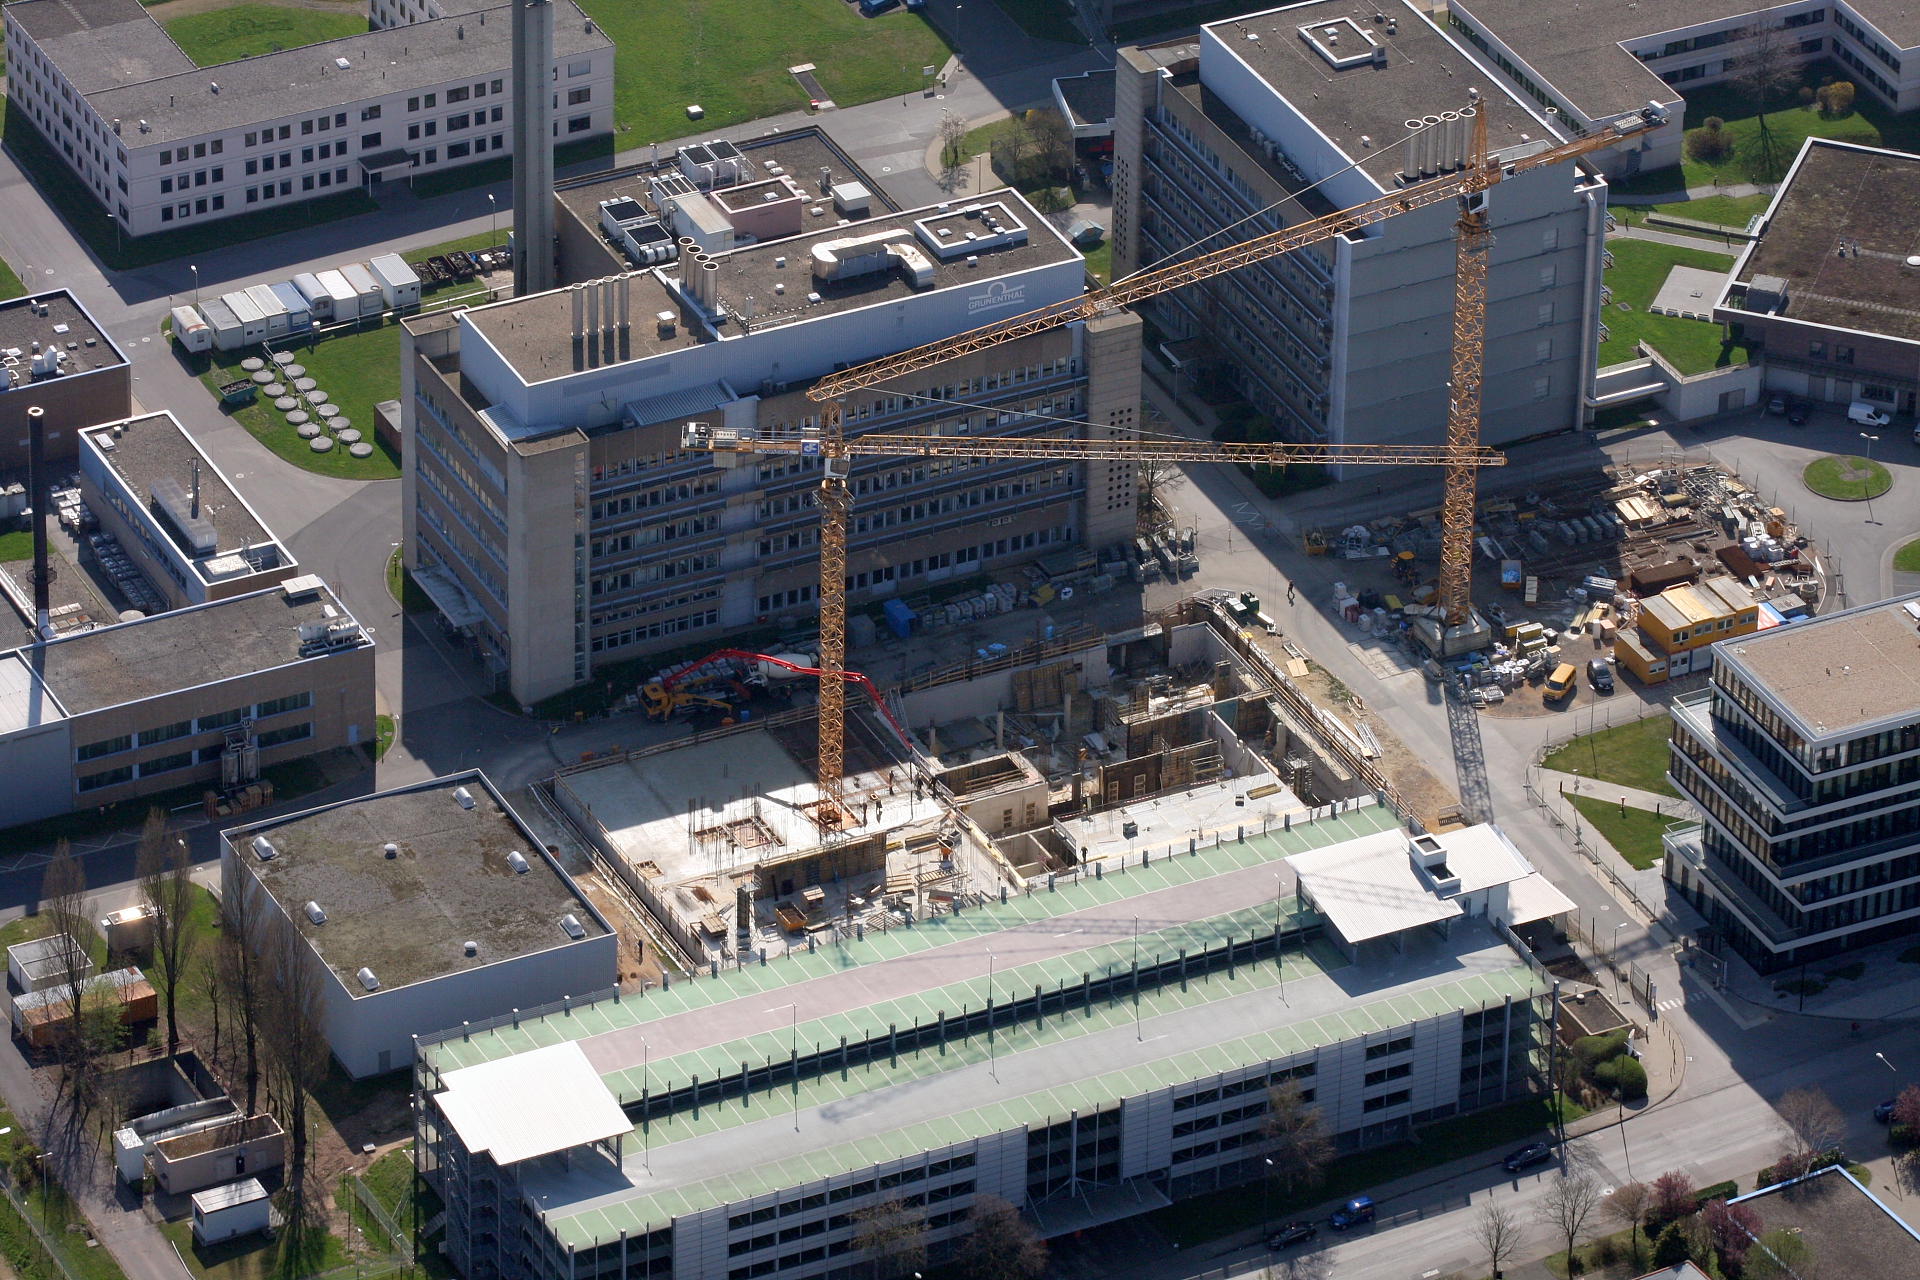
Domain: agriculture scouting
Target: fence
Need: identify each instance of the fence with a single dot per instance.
(398, 1241)
(1628, 975)
(39, 1231)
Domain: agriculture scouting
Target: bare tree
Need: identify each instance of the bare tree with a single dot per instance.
(1309, 1264)
(1763, 75)
(165, 870)
(240, 976)
(1000, 1246)
(1814, 1127)
(1052, 144)
(953, 134)
(1629, 1204)
(63, 901)
(293, 1031)
(1568, 1209)
(1298, 1144)
(1498, 1231)
(891, 1237)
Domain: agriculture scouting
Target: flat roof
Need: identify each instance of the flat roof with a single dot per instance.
(1088, 96)
(1214, 809)
(407, 917)
(228, 1196)
(1690, 603)
(1847, 1229)
(1576, 45)
(148, 657)
(130, 69)
(154, 450)
(1840, 233)
(1839, 672)
(532, 332)
(531, 1104)
(25, 702)
(66, 326)
(1369, 889)
(1424, 73)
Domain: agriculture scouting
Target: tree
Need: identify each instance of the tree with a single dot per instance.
(1052, 144)
(1814, 1127)
(240, 977)
(1733, 1229)
(1000, 1246)
(1778, 1255)
(165, 871)
(1763, 75)
(953, 133)
(63, 901)
(1836, 99)
(1310, 1264)
(293, 1032)
(1568, 1208)
(1906, 1110)
(1498, 1231)
(1673, 1197)
(892, 1237)
(1629, 1204)
(1298, 1144)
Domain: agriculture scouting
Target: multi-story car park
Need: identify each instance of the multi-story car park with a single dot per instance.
(1591, 62)
(1802, 757)
(551, 509)
(206, 695)
(1827, 292)
(1275, 118)
(162, 143)
(738, 1125)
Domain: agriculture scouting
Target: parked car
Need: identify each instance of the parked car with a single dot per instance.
(1600, 675)
(1353, 1213)
(1866, 415)
(1799, 410)
(1884, 1112)
(1777, 404)
(1293, 1233)
(1528, 1156)
(874, 8)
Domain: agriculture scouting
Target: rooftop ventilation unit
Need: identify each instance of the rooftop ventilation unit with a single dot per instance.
(571, 923)
(367, 979)
(183, 512)
(463, 797)
(391, 849)
(315, 914)
(263, 849)
(470, 947)
(342, 63)
(518, 861)
(307, 584)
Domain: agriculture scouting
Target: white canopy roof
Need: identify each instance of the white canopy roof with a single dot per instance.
(1367, 888)
(531, 1104)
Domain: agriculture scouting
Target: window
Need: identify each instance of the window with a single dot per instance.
(1395, 1099)
(494, 116)
(219, 145)
(459, 93)
(253, 139)
(579, 124)
(370, 113)
(1816, 350)
(1544, 313)
(325, 123)
(1387, 1049)
(339, 175)
(326, 179)
(413, 104)
(219, 173)
(167, 764)
(495, 87)
(306, 155)
(200, 205)
(431, 101)
(166, 214)
(199, 151)
(253, 167)
(1543, 351)
(460, 121)
(339, 120)
(105, 747)
(112, 777)
(290, 733)
(200, 178)
(286, 131)
(433, 154)
(457, 150)
(306, 183)
(577, 97)
(413, 133)
(306, 126)
(166, 157)
(286, 187)
(583, 67)
(166, 186)
(253, 195)
(292, 702)
(1542, 388)
(1842, 353)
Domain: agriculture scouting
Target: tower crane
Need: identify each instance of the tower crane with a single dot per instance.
(1460, 455)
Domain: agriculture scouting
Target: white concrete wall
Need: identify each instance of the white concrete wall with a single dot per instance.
(37, 772)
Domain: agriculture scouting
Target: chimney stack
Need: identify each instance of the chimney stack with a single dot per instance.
(194, 512)
(37, 481)
(533, 146)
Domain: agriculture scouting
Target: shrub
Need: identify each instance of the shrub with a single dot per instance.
(1594, 1050)
(1836, 99)
(1710, 141)
(1673, 1197)
(1806, 95)
(1624, 1076)
(1906, 1116)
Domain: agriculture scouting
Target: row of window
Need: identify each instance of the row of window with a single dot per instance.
(851, 1191)
(188, 759)
(185, 728)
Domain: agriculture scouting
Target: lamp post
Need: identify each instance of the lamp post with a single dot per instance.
(196, 283)
(1266, 1198)
(493, 228)
(1871, 441)
(1883, 1062)
(993, 1064)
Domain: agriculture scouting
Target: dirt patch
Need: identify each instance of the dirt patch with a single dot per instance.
(1425, 794)
(639, 966)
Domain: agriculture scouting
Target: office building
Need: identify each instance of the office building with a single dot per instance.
(162, 143)
(202, 696)
(553, 512)
(1276, 118)
(1826, 293)
(1033, 1050)
(188, 531)
(1592, 61)
(1801, 756)
(419, 909)
(55, 356)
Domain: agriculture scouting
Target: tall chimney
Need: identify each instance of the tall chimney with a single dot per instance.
(195, 511)
(41, 497)
(533, 146)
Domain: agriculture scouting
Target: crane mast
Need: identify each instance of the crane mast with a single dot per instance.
(1461, 455)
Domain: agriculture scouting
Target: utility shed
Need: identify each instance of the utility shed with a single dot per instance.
(399, 286)
(237, 1209)
(45, 962)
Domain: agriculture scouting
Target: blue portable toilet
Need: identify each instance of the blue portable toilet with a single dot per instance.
(900, 618)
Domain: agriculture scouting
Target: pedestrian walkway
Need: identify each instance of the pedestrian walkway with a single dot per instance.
(1678, 239)
(1691, 193)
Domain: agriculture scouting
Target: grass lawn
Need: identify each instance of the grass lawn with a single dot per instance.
(1906, 559)
(10, 286)
(1846, 478)
(1726, 211)
(1639, 268)
(245, 30)
(1634, 755)
(1203, 1218)
(731, 57)
(255, 1257)
(382, 735)
(1634, 833)
(358, 370)
(17, 545)
(1100, 261)
(405, 591)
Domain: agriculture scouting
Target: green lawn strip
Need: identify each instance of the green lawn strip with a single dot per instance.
(357, 370)
(1100, 261)
(1602, 1252)
(247, 30)
(1846, 478)
(1633, 755)
(1634, 833)
(17, 545)
(405, 591)
(1906, 559)
(87, 218)
(1217, 1213)
(19, 1246)
(255, 1257)
(1639, 268)
(731, 57)
(382, 736)
(10, 286)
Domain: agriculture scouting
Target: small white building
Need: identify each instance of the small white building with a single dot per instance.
(191, 330)
(344, 302)
(319, 297)
(236, 1209)
(366, 289)
(299, 310)
(399, 284)
(46, 962)
(271, 308)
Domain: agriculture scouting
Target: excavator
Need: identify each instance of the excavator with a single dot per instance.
(664, 698)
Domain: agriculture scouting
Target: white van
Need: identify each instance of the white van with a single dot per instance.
(1866, 415)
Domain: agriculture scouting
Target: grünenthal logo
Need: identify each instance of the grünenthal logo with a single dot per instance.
(998, 294)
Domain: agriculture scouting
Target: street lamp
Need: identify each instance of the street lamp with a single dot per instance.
(1883, 1062)
(1871, 441)
(1266, 1194)
(196, 283)
(993, 1065)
